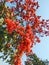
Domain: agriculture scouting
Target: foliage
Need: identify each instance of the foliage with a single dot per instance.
(34, 60)
(20, 29)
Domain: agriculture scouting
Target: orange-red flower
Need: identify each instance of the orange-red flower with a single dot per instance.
(9, 0)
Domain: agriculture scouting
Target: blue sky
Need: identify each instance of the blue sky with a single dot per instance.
(41, 49)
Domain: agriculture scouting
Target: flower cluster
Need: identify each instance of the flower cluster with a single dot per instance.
(28, 32)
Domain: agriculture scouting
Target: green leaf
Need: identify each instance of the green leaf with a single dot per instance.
(1, 21)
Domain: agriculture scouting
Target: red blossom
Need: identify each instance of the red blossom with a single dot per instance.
(11, 26)
(29, 32)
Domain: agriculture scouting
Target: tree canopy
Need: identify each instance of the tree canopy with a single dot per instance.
(20, 29)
